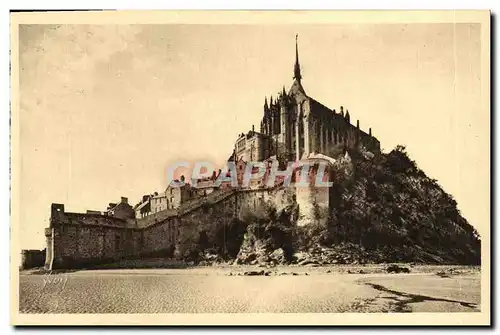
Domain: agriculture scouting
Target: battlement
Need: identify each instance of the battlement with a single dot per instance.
(113, 217)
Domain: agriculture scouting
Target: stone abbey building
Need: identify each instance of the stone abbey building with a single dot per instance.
(294, 127)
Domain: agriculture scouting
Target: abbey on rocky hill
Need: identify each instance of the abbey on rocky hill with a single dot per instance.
(295, 128)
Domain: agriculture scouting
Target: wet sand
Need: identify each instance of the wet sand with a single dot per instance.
(227, 290)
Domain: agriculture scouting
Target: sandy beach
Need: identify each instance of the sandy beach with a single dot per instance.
(288, 289)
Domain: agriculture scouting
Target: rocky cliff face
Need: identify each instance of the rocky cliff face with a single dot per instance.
(269, 238)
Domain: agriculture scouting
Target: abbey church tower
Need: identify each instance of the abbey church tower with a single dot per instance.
(294, 125)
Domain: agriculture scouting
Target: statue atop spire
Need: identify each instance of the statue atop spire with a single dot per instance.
(296, 70)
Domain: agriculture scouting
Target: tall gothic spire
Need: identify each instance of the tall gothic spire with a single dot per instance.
(296, 70)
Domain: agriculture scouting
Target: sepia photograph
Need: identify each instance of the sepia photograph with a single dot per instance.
(260, 167)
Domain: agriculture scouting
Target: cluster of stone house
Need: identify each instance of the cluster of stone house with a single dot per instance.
(119, 210)
(174, 196)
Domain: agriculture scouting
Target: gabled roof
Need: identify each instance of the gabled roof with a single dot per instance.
(116, 206)
(141, 206)
(297, 90)
(321, 110)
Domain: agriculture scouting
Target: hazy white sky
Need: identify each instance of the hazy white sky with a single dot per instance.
(105, 109)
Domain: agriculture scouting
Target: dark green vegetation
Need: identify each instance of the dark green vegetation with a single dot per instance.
(385, 210)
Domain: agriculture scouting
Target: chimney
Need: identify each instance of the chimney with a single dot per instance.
(370, 131)
(357, 124)
(253, 128)
(124, 200)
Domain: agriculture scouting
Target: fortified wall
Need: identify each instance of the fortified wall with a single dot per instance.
(74, 238)
(32, 258)
(83, 239)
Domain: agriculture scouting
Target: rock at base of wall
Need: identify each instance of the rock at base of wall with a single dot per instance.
(278, 256)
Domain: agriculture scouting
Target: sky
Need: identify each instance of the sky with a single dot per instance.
(105, 109)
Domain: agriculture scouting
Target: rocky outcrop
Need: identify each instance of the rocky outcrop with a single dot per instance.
(268, 240)
(253, 251)
(394, 268)
(383, 209)
(347, 253)
(259, 252)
